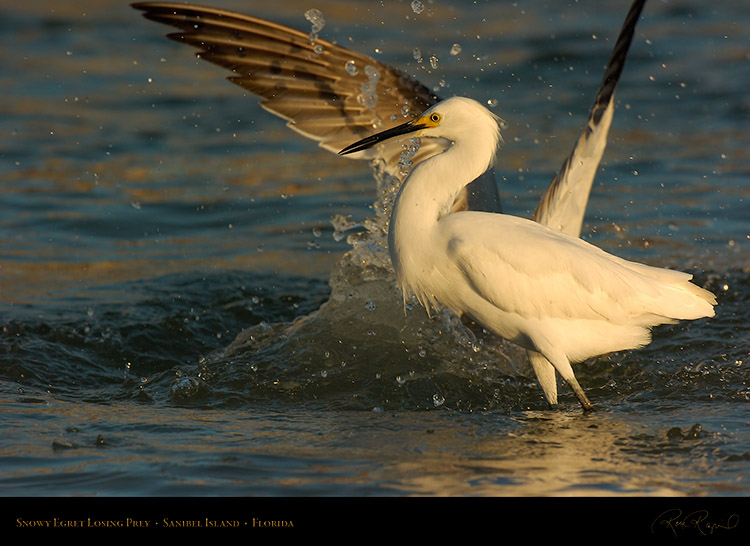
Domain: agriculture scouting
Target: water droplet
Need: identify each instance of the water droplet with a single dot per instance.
(370, 306)
(315, 16)
(438, 400)
(417, 7)
(372, 72)
(456, 49)
(433, 61)
(417, 54)
(351, 68)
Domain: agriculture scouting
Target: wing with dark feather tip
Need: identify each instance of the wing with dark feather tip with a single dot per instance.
(326, 92)
(563, 205)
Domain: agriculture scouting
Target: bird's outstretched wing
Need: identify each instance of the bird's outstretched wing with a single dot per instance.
(563, 205)
(326, 92)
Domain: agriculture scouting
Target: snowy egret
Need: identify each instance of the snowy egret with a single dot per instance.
(561, 298)
(334, 95)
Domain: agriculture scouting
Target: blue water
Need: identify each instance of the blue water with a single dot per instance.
(152, 213)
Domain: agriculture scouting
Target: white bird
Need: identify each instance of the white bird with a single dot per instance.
(333, 95)
(556, 295)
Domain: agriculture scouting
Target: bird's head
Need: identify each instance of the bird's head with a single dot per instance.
(457, 119)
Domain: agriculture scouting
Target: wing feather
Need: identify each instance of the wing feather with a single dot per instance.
(308, 84)
(563, 204)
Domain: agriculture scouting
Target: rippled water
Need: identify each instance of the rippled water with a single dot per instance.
(180, 316)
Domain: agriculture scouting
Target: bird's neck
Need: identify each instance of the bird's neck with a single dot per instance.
(426, 196)
(429, 191)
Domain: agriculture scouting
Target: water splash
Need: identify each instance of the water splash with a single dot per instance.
(405, 162)
(348, 352)
(369, 93)
(317, 22)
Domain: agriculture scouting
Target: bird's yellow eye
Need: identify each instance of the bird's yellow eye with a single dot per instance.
(434, 117)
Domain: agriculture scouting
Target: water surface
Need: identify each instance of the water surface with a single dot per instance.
(181, 317)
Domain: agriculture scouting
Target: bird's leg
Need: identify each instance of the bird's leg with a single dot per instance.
(562, 365)
(582, 398)
(545, 374)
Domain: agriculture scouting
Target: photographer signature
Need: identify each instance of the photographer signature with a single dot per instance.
(674, 520)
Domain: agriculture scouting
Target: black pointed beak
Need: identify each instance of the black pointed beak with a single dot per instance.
(370, 141)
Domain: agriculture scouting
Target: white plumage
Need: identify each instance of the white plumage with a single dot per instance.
(558, 296)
